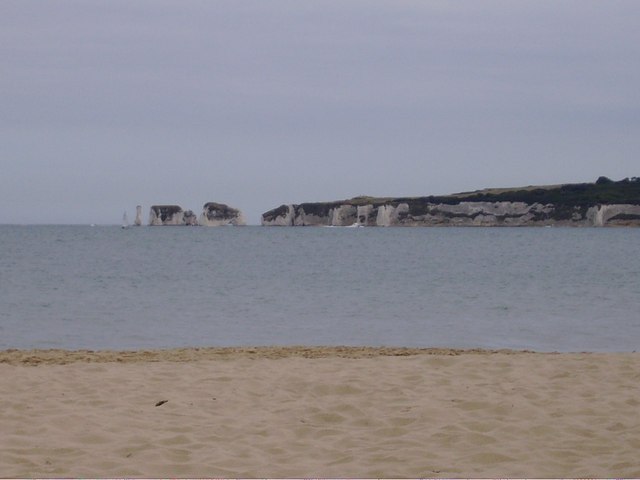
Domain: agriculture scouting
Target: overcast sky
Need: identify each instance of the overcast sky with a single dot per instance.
(108, 104)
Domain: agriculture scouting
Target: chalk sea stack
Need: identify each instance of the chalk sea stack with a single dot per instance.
(218, 214)
(138, 220)
(603, 203)
(213, 215)
(171, 215)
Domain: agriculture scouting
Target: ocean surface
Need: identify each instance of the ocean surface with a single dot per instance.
(546, 289)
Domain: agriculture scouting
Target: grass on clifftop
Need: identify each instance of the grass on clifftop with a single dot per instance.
(604, 191)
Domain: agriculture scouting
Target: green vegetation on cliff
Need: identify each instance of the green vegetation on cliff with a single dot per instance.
(603, 192)
(567, 199)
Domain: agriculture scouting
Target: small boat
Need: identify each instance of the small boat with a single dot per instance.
(125, 220)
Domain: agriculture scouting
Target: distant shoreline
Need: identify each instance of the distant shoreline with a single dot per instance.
(191, 354)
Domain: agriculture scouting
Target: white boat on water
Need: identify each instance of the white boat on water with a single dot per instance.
(125, 220)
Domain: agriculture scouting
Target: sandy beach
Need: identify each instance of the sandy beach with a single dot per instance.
(319, 412)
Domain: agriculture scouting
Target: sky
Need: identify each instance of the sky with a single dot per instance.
(107, 104)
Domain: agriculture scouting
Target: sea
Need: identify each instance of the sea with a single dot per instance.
(104, 287)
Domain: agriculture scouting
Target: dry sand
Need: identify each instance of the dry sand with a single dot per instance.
(319, 412)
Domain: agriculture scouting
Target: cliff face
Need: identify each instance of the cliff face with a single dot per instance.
(604, 203)
(171, 215)
(218, 214)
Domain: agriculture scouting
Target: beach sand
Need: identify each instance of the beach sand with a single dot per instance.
(319, 412)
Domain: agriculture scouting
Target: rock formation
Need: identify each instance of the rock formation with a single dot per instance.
(603, 203)
(218, 214)
(213, 215)
(138, 220)
(171, 215)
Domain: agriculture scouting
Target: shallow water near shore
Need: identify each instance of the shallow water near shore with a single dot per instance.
(547, 289)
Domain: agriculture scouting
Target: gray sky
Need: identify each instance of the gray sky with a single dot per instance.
(109, 104)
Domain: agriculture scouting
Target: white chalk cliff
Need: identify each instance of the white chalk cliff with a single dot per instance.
(161, 215)
(572, 205)
(461, 214)
(213, 215)
(218, 214)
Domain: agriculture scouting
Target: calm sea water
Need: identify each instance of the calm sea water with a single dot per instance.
(106, 288)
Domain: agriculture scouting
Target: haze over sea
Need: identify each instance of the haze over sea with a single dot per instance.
(546, 289)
